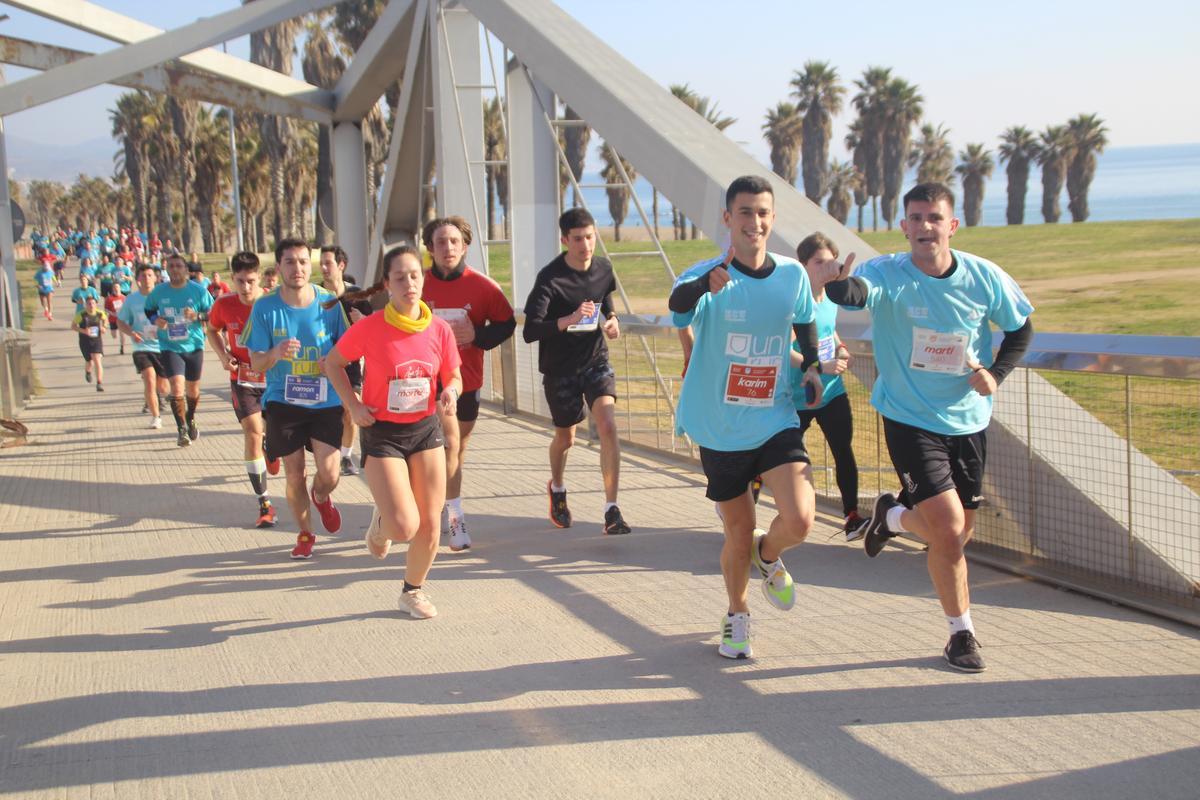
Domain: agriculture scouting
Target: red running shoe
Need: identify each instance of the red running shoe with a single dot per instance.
(266, 516)
(272, 466)
(304, 546)
(331, 518)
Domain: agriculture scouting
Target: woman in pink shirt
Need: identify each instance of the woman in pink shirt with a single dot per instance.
(407, 353)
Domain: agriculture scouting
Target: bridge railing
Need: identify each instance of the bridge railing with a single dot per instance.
(16, 371)
(1093, 452)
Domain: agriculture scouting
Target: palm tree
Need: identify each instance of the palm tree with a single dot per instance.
(975, 166)
(784, 131)
(932, 155)
(183, 122)
(819, 97)
(1018, 147)
(494, 149)
(575, 145)
(902, 106)
(273, 47)
(618, 191)
(129, 121)
(1088, 139)
(212, 174)
(854, 145)
(844, 179)
(322, 67)
(1054, 151)
(868, 148)
(43, 195)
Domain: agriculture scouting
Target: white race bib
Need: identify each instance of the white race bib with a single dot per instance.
(752, 384)
(408, 395)
(250, 379)
(93, 331)
(149, 332)
(305, 390)
(177, 331)
(588, 323)
(450, 314)
(939, 352)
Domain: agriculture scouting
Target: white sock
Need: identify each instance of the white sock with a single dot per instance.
(557, 487)
(454, 507)
(607, 506)
(346, 451)
(893, 519)
(962, 623)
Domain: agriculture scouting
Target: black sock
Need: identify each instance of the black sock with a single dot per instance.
(191, 408)
(408, 587)
(177, 410)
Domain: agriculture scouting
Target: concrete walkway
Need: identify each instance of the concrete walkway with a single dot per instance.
(155, 645)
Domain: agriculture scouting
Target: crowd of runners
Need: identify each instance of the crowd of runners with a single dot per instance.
(400, 364)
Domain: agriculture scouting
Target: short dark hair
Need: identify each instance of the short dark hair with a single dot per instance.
(929, 193)
(145, 268)
(431, 228)
(747, 184)
(339, 255)
(289, 243)
(811, 244)
(270, 272)
(244, 261)
(574, 218)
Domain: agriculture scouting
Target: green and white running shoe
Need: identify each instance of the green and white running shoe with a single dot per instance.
(735, 636)
(777, 584)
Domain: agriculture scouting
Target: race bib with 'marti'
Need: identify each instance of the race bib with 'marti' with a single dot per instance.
(939, 352)
(408, 395)
(752, 384)
(304, 390)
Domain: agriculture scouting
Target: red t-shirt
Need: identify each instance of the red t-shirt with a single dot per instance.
(113, 304)
(229, 314)
(481, 298)
(218, 289)
(403, 368)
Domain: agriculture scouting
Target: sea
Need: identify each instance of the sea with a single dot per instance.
(1159, 182)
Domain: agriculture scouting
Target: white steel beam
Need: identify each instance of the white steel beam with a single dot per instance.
(378, 62)
(350, 194)
(10, 292)
(153, 49)
(185, 83)
(533, 180)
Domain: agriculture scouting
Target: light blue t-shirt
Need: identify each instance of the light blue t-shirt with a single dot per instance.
(180, 335)
(45, 280)
(737, 393)
(133, 314)
(298, 381)
(927, 329)
(87, 269)
(832, 385)
(80, 294)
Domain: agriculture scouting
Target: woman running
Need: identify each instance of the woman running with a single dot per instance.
(406, 352)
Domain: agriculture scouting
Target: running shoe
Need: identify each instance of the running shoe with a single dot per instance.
(614, 523)
(854, 526)
(87, 375)
(50, 317)
(155, 423)
(445, 520)
(304, 546)
(876, 533)
(183, 440)
(560, 515)
(331, 518)
(145, 408)
(962, 653)
(756, 487)
(99, 386)
(777, 584)
(266, 516)
(459, 538)
(417, 604)
(377, 544)
(272, 466)
(193, 430)
(348, 467)
(735, 636)
(122, 349)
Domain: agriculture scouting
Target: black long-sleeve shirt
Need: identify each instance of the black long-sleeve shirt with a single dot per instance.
(558, 292)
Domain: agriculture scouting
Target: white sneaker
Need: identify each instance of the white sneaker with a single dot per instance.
(156, 423)
(417, 604)
(459, 538)
(377, 545)
(735, 636)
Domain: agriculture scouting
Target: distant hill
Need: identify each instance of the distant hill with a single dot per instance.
(29, 160)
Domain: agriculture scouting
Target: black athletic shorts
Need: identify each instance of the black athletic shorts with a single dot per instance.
(729, 472)
(565, 394)
(246, 400)
(930, 463)
(88, 345)
(291, 427)
(143, 360)
(112, 324)
(186, 364)
(400, 439)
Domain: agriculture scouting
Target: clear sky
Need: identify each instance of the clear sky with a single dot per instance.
(981, 67)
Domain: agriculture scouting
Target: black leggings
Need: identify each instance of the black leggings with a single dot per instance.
(837, 424)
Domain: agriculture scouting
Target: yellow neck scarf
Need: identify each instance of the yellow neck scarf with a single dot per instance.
(405, 323)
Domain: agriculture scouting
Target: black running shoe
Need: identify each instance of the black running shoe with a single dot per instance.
(560, 515)
(183, 440)
(614, 523)
(348, 467)
(876, 534)
(99, 387)
(962, 653)
(87, 376)
(193, 430)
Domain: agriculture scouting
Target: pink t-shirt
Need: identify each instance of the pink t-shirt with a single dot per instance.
(401, 370)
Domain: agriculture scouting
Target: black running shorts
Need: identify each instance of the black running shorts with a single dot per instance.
(291, 427)
(565, 394)
(188, 365)
(930, 463)
(400, 439)
(247, 400)
(144, 360)
(729, 472)
(90, 345)
(468, 407)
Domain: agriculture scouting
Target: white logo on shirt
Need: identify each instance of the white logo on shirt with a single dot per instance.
(738, 345)
(918, 312)
(735, 315)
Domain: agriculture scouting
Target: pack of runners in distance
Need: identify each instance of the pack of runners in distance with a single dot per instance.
(309, 364)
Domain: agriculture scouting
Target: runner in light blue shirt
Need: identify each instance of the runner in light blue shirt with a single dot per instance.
(134, 323)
